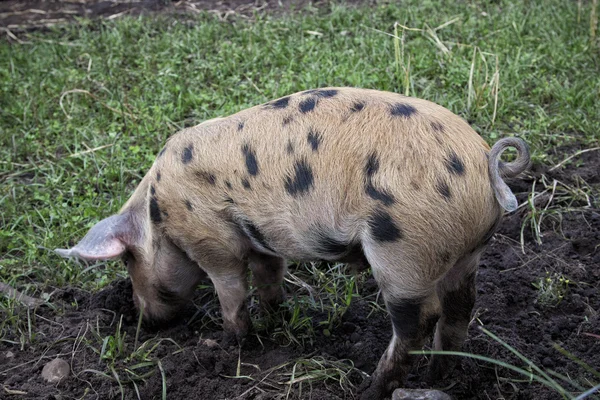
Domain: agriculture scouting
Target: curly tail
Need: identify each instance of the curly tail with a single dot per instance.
(498, 170)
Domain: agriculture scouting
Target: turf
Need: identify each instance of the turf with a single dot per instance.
(121, 88)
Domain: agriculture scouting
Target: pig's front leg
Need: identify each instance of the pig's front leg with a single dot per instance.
(267, 273)
(229, 276)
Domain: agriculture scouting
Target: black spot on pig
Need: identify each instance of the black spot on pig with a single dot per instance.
(314, 138)
(287, 120)
(158, 176)
(455, 164)
(443, 189)
(289, 148)
(155, 213)
(152, 190)
(380, 195)
(437, 126)
(301, 181)
(240, 126)
(187, 154)
(326, 93)
(206, 177)
(280, 103)
(330, 247)
(445, 257)
(307, 105)
(246, 184)
(188, 205)
(251, 163)
(457, 304)
(257, 235)
(162, 152)
(402, 110)
(406, 315)
(358, 106)
(355, 255)
(383, 228)
(228, 184)
(371, 167)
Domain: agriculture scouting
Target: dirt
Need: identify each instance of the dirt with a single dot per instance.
(18, 15)
(196, 365)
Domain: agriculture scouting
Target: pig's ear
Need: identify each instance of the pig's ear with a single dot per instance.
(107, 239)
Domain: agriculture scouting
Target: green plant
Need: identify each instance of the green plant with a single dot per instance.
(531, 371)
(552, 288)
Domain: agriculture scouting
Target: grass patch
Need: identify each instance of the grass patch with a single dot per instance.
(552, 289)
(533, 373)
(85, 109)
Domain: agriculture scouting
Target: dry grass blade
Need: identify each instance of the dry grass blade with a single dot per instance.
(86, 92)
(593, 21)
(591, 335)
(12, 293)
(14, 392)
(471, 91)
(560, 164)
(436, 40)
(91, 150)
(495, 89)
(164, 380)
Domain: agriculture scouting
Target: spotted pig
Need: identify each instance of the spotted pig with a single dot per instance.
(334, 174)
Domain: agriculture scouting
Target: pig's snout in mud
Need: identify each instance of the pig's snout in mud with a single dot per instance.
(157, 313)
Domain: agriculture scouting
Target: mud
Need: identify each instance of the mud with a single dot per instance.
(196, 363)
(18, 15)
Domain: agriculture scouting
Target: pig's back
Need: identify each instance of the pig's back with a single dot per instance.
(331, 161)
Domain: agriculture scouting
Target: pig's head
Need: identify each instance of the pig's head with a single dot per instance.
(162, 275)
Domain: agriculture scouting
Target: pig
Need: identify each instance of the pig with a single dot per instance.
(335, 174)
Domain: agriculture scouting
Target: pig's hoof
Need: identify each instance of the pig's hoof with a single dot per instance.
(370, 390)
(231, 339)
(439, 371)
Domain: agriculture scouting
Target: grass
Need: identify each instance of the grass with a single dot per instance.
(85, 108)
(533, 373)
(552, 289)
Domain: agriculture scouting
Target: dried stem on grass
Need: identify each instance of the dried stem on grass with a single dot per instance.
(10, 292)
(93, 97)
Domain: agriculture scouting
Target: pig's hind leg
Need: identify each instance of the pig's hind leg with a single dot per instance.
(456, 291)
(412, 302)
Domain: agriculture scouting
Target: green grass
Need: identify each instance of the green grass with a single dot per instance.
(84, 109)
(533, 373)
(121, 88)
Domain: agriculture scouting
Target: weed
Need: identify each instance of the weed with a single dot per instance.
(306, 371)
(554, 199)
(531, 371)
(552, 289)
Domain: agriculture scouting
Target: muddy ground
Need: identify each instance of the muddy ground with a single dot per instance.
(198, 367)
(34, 14)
